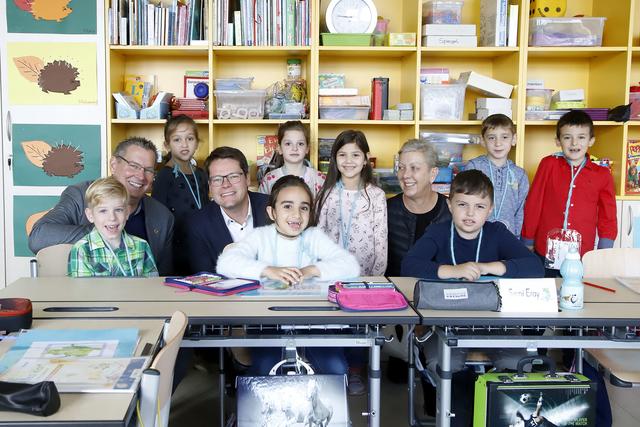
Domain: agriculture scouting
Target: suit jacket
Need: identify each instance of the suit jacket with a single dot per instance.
(67, 223)
(207, 232)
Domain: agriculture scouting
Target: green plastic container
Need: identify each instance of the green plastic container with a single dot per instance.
(346, 39)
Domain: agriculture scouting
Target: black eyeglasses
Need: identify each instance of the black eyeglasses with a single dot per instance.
(135, 167)
(233, 178)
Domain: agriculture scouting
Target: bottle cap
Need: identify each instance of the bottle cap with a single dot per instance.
(294, 61)
(573, 254)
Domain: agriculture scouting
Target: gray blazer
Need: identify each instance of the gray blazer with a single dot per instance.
(67, 223)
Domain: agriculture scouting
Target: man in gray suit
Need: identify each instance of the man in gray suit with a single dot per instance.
(133, 165)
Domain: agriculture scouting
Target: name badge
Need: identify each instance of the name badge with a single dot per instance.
(528, 295)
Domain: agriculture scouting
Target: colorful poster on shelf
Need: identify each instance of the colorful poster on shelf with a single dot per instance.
(26, 211)
(55, 155)
(632, 174)
(52, 73)
(51, 16)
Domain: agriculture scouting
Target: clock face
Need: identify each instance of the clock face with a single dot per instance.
(351, 16)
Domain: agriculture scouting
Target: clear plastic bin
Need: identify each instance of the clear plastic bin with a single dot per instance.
(538, 99)
(442, 102)
(240, 104)
(344, 113)
(566, 31)
(234, 83)
(442, 12)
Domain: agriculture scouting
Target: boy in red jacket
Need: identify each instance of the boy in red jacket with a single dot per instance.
(571, 193)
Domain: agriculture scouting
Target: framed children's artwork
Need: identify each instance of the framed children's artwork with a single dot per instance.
(27, 210)
(51, 16)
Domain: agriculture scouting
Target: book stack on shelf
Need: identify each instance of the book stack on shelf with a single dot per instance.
(498, 23)
(262, 23)
(143, 22)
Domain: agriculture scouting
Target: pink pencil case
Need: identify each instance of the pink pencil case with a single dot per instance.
(370, 300)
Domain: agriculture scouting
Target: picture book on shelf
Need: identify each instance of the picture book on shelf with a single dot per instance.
(632, 184)
(141, 87)
(214, 284)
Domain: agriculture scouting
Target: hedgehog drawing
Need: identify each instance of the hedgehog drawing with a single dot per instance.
(49, 10)
(58, 76)
(61, 160)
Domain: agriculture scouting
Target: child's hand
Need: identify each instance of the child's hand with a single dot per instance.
(495, 268)
(290, 275)
(468, 271)
(310, 271)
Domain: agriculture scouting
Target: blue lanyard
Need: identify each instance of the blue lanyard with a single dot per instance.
(345, 228)
(113, 254)
(275, 248)
(498, 208)
(196, 195)
(573, 178)
(453, 255)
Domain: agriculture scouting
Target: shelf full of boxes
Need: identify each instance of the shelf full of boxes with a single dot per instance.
(603, 74)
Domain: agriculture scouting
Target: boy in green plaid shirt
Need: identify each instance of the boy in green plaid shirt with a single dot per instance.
(108, 250)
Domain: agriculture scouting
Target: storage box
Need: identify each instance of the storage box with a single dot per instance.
(441, 102)
(240, 104)
(442, 12)
(344, 113)
(634, 99)
(538, 99)
(566, 31)
(124, 111)
(400, 39)
(486, 85)
(156, 111)
(234, 83)
(346, 39)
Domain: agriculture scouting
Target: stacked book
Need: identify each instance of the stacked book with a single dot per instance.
(343, 103)
(192, 107)
(261, 23)
(595, 113)
(498, 23)
(567, 99)
(449, 35)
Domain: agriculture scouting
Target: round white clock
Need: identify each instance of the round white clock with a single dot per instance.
(351, 16)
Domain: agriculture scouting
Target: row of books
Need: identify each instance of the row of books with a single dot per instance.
(261, 22)
(144, 22)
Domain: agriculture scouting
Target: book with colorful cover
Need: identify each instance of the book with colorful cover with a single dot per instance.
(214, 284)
(631, 177)
(141, 87)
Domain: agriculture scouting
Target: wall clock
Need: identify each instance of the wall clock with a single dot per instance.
(351, 16)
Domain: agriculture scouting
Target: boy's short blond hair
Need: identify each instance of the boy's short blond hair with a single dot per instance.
(497, 121)
(105, 188)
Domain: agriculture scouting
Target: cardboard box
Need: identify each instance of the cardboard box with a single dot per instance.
(449, 30)
(494, 103)
(125, 111)
(400, 39)
(568, 95)
(486, 85)
(450, 41)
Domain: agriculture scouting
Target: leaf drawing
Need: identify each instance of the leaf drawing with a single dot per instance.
(33, 219)
(23, 4)
(36, 151)
(29, 67)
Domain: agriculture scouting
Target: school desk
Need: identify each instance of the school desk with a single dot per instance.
(607, 312)
(212, 318)
(90, 409)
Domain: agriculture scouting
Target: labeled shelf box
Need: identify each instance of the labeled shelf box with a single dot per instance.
(344, 113)
(566, 31)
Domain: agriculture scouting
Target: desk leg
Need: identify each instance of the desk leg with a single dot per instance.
(411, 377)
(221, 388)
(443, 401)
(374, 386)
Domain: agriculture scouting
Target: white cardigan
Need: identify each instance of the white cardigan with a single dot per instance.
(264, 247)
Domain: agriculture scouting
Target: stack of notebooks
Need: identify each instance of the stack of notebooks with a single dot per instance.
(213, 284)
(194, 108)
(595, 113)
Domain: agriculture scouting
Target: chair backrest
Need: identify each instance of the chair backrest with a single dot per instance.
(53, 260)
(166, 359)
(612, 262)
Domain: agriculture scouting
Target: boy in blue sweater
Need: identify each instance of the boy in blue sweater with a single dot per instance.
(468, 246)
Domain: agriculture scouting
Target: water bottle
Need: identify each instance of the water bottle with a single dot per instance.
(572, 289)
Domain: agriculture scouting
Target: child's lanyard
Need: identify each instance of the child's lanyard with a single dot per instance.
(113, 254)
(345, 228)
(453, 255)
(496, 212)
(275, 249)
(573, 178)
(196, 195)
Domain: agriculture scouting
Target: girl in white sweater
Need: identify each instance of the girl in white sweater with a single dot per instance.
(290, 252)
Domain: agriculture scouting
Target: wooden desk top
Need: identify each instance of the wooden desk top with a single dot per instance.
(602, 308)
(92, 408)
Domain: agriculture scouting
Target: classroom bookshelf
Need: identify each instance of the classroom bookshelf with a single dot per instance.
(604, 72)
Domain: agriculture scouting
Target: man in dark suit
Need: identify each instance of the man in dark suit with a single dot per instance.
(133, 165)
(234, 212)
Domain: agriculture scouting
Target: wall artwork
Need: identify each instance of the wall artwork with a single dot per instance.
(52, 73)
(55, 155)
(51, 16)
(26, 211)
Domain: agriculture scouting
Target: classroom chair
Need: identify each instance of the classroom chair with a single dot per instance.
(51, 261)
(619, 365)
(157, 381)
